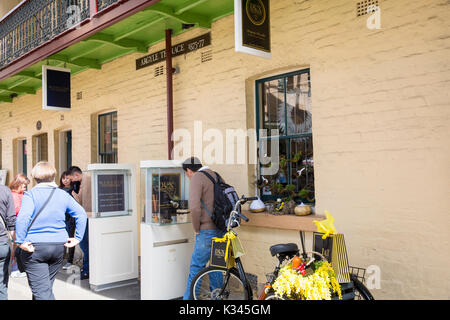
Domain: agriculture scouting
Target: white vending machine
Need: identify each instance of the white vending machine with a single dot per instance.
(167, 237)
(113, 250)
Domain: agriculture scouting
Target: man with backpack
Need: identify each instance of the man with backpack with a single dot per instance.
(201, 205)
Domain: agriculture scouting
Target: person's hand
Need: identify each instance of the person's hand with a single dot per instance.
(27, 246)
(71, 242)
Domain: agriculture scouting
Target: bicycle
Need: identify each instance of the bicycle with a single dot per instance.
(220, 283)
(216, 283)
(354, 290)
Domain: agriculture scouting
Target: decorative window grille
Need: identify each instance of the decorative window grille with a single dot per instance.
(363, 7)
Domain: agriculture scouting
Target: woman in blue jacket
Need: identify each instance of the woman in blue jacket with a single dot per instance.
(44, 208)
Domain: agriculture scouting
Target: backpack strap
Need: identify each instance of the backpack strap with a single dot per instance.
(206, 208)
(209, 176)
(40, 210)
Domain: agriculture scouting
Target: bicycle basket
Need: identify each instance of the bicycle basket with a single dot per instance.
(360, 274)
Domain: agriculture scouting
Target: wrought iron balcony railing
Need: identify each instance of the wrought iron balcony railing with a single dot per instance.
(37, 22)
(103, 4)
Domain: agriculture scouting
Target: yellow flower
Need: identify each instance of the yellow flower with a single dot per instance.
(317, 286)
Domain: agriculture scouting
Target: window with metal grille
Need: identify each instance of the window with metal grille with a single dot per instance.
(107, 137)
(284, 104)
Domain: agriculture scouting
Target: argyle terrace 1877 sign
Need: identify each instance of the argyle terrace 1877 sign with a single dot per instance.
(178, 49)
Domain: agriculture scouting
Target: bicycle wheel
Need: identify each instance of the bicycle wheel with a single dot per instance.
(361, 291)
(218, 284)
(272, 296)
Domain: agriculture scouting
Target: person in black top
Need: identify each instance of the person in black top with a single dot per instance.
(8, 216)
(66, 184)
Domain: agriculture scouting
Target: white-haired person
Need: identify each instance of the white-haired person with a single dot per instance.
(41, 230)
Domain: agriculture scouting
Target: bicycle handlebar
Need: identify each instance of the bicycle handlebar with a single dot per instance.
(243, 217)
(236, 211)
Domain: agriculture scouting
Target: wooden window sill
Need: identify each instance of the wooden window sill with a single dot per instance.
(286, 222)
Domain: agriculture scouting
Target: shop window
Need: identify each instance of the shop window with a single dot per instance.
(40, 148)
(284, 103)
(107, 137)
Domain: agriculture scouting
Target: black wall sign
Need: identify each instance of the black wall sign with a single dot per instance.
(178, 49)
(111, 192)
(55, 88)
(256, 24)
(252, 27)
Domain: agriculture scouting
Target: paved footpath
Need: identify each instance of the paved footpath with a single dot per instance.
(68, 286)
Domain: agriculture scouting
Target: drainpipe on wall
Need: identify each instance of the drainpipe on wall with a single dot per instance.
(169, 78)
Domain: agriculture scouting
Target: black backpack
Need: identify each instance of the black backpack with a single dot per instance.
(225, 198)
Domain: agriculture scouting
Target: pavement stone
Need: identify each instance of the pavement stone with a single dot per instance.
(68, 286)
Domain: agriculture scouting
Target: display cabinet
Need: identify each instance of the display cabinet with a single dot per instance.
(111, 192)
(113, 233)
(164, 193)
(167, 237)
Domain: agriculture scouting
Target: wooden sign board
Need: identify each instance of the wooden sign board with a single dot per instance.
(178, 49)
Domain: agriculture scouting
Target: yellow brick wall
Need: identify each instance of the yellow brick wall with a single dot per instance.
(381, 133)
(7, 5)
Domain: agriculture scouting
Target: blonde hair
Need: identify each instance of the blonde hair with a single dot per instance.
(43, 171)
(18, 180)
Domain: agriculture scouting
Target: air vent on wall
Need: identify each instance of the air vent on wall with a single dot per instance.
(79, 95)
(363, 6)
(159, 71)
(206, 56)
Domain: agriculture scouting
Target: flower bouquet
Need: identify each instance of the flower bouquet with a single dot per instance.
(315, 282)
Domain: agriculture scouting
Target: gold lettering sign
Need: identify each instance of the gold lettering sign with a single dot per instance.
(256, 12)
(219, 253)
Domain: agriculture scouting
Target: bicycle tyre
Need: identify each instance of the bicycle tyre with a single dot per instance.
(272, 296)
(361, 291)
(198, 284)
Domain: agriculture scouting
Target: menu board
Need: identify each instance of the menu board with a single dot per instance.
(111, 192)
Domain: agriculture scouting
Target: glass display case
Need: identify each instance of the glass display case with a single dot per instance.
(110, 192)
(164, 193)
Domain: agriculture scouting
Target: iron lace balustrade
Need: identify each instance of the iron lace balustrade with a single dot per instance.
(36, 22)
(103, 4)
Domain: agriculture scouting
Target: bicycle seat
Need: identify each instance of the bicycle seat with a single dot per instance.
(289, 249)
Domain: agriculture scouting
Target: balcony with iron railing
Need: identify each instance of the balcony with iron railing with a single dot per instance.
(36, 22)
(84, 34)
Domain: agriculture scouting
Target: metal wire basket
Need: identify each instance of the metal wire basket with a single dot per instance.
(360, 274)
